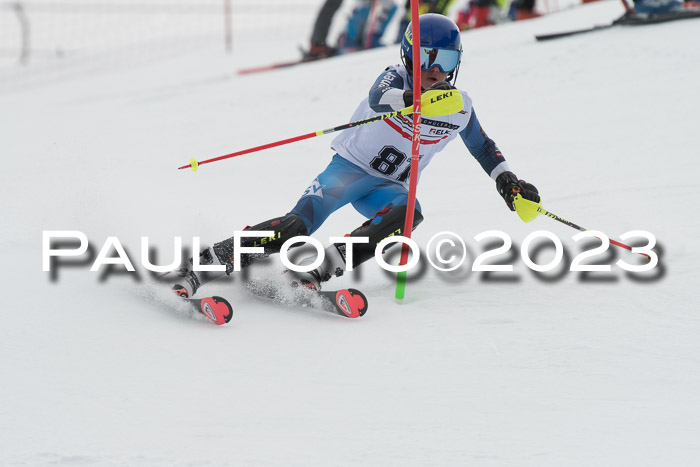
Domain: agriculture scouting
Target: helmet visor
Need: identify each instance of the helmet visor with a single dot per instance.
(446, 60)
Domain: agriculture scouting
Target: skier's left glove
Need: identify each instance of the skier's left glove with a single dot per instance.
(441, 85)
(508, 186)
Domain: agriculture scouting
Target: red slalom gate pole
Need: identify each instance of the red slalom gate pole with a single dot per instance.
(415, 149)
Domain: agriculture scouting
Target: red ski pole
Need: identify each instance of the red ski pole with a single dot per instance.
(435, 103)
(194, 164)
(529, 210)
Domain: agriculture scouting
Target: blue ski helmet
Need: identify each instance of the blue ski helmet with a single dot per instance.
(440, 43)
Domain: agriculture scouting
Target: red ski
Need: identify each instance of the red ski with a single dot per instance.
(274, 66)
(348, 303)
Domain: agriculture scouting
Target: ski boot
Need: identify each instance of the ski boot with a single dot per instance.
(306, 280)
(186, 282)
(333, 266)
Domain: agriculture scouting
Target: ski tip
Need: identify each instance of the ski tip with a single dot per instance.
(217, 309)
(351, 302)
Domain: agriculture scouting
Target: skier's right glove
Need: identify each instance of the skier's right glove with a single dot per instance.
(442, 85)
(508, 186)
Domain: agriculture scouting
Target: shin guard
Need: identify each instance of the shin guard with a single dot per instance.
(386, 223)
(284, 228)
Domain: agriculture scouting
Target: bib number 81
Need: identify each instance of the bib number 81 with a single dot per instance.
(388, 162)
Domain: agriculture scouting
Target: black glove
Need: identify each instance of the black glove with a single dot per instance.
(441, 85)
(508, 186)
(408, 97)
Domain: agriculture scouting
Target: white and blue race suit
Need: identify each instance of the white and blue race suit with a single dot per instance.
(371, 166)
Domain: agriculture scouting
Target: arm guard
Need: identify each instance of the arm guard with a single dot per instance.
(483, 148)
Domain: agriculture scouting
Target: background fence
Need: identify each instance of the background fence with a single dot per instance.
(42, 29)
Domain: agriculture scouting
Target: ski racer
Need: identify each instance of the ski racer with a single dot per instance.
(370, 167)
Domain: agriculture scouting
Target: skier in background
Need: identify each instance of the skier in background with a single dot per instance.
(522, 9)
(371, 165)
(440, 7)
(367, 24)
(319, 45)
(477, 14)
(649, 8)
(364, 30)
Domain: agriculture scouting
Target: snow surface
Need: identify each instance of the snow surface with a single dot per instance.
(104, 370)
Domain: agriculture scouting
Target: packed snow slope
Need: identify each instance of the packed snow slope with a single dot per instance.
(503, 370)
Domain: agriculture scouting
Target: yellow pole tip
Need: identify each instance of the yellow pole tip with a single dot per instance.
(194, 164)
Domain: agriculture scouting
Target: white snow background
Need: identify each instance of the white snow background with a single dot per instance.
(469, 371)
